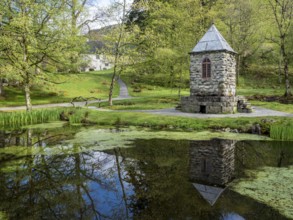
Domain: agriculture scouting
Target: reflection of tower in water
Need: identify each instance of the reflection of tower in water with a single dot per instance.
(212, 166)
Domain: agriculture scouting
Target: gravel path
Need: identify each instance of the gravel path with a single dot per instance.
(123, 94)
(257, 112)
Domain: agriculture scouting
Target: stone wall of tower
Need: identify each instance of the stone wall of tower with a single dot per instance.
(223, 74)
(213, 104)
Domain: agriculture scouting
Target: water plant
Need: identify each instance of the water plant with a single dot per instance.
(22, 118)
(282, 132)
(77, 116)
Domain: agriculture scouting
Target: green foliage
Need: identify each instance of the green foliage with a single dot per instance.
(282, 132)
(35, 37)
(166, 38)
(170, 29)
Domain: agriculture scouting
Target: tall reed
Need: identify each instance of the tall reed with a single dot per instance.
(77, 116)
(18, 119)
(282, 132)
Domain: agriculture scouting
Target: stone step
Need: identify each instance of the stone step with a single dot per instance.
(243, 106)
(178, 107)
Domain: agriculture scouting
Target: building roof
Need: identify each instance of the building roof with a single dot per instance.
(212, 41)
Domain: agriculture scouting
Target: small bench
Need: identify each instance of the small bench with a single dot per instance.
(86, 100)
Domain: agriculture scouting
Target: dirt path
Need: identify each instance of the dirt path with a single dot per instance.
(123, 94)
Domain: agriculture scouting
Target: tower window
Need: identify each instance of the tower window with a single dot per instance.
(206, 68)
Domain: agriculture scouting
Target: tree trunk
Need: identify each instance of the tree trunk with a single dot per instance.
(29, 139)
(1, 88)
(112, 86)
(124, 196)
(286, 68)
(238, 70)
(28, 97)
(117, 53)
(287, 81)
(280, 68)
(180, 81)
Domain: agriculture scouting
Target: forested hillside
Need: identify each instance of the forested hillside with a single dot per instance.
(159, 34)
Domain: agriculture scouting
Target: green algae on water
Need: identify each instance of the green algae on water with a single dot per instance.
(111, 138)
(50, 125)
(271, 186)
(88, 139)
(93, 139)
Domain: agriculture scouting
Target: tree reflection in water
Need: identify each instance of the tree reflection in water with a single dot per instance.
(150, 180)
(83, 185)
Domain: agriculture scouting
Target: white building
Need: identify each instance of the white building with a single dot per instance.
(96, 62)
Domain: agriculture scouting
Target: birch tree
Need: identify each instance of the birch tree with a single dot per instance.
(116, 40)
(283, 15)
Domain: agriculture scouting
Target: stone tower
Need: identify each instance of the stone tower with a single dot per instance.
(212, 76)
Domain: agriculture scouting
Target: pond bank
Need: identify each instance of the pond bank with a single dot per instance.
(147, 120)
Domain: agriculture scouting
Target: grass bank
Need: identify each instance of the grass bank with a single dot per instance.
(181, 123)
(157, 122)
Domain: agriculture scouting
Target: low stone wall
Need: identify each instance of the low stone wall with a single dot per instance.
(215, 104)
(212, 162)
(209, 104)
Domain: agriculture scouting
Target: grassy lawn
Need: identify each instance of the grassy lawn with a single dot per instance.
(274, 106)
(153, 91)
(144, 103)
(249, 91)
(148, 89)
(89, 84)
(147, 93)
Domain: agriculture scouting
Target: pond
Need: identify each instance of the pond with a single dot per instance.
(99, 173)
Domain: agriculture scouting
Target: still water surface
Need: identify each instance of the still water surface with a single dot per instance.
(148, 179)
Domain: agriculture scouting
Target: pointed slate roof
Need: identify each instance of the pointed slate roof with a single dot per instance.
(212, 41)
